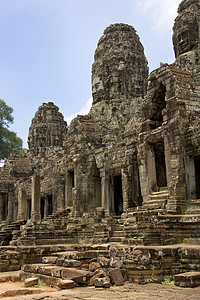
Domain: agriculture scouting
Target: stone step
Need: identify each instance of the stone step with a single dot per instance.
(49, 280)
(118, 233)
(116, 239)
(193, 210)
(159, 196)
(9, 276)
(189, 279)
(77, 275)
(78, 255)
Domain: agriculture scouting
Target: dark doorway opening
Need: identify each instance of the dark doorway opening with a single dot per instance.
(160, 164)
(118, 196)
(49, 205)
(29, 208)
(71, 176)
(5, 206)
(42, 207)
(197, 174)
(158, 104)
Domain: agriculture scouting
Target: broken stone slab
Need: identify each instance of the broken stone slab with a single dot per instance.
(116, 276)
(49, 259)
(30, 281)
(99, 273)
(33, 268)
(102, 282)
(189, 279)
(93, 266)
(66, 284)
(9, 276)
(69, 263)
(103, 261)
(77, 275)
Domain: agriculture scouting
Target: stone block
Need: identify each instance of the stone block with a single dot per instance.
(189, 279)
(49, 259)
(93, 266)
(116, 276)
(30, 282)
(66, 284)
(79, 276)
(103, 261)
(102, 282)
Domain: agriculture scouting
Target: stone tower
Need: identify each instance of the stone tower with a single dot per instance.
(120, 67)
(186, 37)
(119, 76)
(47, 129)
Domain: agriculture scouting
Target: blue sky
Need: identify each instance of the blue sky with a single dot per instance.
(47, 49)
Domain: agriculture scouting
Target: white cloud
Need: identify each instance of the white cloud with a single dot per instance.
(161, 12)
(84, 110)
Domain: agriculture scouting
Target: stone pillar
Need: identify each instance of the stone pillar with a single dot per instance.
(151, 170)
(22, 205)
(35, 200)
(9, 218)
(125, 189)
(105, 182)
(190, 177)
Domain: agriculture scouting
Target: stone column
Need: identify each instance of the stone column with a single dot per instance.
(151, 170)
(125, 189)
(190, 177)
(105, 203)
(35, 200)
(9, 218)
(22, 205)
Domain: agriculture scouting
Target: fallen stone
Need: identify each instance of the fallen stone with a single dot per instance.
(102, 282)
(116, 276)
(189, 279)
(99, 273)
(103, 261)
(79, 276)
(30, 282)
(66, 284)
(49, 259)
(93, 266)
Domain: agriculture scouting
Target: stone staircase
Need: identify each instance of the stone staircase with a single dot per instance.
(194, 207)
(7, 231)
(157, 201)
(50, 230)
(78, 266)
(117, 232)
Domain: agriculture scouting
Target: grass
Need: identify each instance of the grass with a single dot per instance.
(167, 281)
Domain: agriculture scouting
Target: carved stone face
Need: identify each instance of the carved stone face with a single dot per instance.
(97, 88)
(186, 28)
(185, 37)
(120, 68)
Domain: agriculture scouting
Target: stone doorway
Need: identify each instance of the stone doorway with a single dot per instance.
(158, 104)
(118, 195)
(197, 175)
(42, 207)
(49, 205)
(159, 152)
(3, 207)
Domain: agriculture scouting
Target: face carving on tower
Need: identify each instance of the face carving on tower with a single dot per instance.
(120, 67)
(186, 27)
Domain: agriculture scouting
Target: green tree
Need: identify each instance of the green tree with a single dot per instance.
(9, 142)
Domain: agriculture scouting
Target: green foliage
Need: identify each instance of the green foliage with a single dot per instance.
(167, 281)
(9, 142)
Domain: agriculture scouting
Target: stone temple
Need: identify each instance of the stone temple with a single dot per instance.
(124, 180)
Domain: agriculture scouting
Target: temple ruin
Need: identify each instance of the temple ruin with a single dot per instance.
(127, 173)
